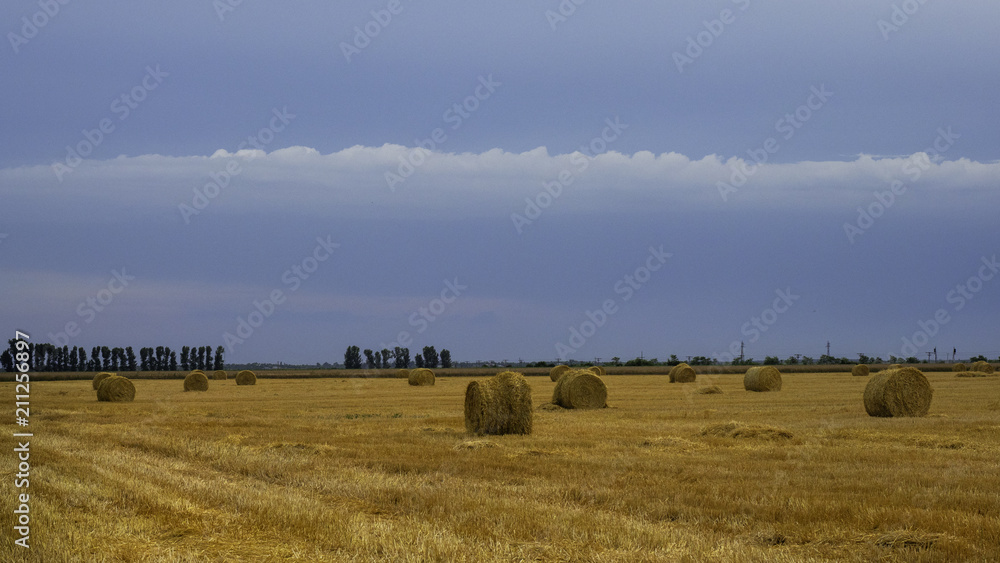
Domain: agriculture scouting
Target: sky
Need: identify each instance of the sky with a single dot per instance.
(519, 180)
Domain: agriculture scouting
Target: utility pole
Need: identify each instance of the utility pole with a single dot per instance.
(827, 347)
(741, 351)
(935, 354)
(928, 357)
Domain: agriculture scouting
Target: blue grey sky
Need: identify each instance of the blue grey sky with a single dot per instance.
(533, 180)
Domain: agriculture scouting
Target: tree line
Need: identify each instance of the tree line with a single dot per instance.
(398, 358)
(48, 357)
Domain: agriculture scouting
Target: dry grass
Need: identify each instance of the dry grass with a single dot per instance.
(350, 470)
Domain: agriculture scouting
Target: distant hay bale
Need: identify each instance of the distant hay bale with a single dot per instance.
(860, 370)
(959, 367)
(682, 373)
(403, 373)
(597, 370)
(710, 390)
(982, 366)
(246, 377)
(556, 372)
(733, 429)
(762, 378)
(220, 375)
(898, 392)
(101, 377)
(421, 376)
(893, 366)
(196, 381)
(116, 389)
(499, 405)
(580, 389)
(974, 374)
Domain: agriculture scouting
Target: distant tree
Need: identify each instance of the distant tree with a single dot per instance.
(616, 361)
(7, 361)
(185, 352)
(106, 356)
(406, 358)
(771, 361)
(420, 360)
(208, 358)
(38, 357)
(160, 362)
(863, 359)
(430, 357)
(95, 358)
(445, 358)
(386, 357)
(220, 362)
(701, 361)
(791, 360)
(979, 358)
(352, 358)
(144, 358)
(912, 360)
(641, 362)
(73, 360)
(173, 359)
(369, 358)
(115, 358)
(130, 358)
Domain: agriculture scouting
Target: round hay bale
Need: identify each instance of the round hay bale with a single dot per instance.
(682, 373)
(196, 381)
(403, 373)
(959, 367)
(556, 372)
(101, 377)
(597, 370)
(893, 366)
(246, 377)
(710, 390)
(220, 375)
(898, 392)
(421, 376)
(981, 366)
(580, 389)
(499, 405)
(762, 378)
(860, 370)
(116, 389)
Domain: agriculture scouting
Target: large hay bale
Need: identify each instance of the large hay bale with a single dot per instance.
(556, 372)
(196, 381)
(860, 370)
(220, 375)
(246, 377)
(762, 378)
(403, 373)
(898, 392)
(959, 367)
(682, 373)
(499, 405)
(421, 376)
(101, 377)
(597, 370)
(580, 389)
(982, 366)
(116, 389)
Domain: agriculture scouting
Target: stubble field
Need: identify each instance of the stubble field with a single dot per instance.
(376, 470)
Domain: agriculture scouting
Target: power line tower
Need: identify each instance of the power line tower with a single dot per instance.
(827, 347)
(741, 351)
